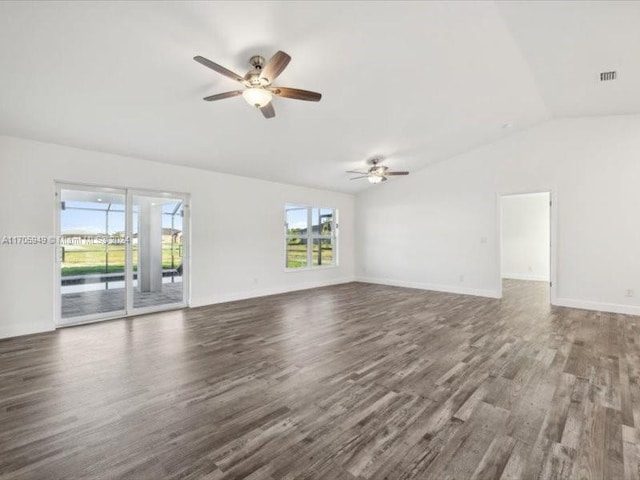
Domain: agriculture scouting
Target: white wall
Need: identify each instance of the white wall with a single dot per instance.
(524, 244)
(237, 227)
(437, 228)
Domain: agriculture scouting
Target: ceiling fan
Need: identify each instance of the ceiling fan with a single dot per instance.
(377, 173)
(259, 91)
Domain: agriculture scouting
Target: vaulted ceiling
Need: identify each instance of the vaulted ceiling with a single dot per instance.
(414, 82)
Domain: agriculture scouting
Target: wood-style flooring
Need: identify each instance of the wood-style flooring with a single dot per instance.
(353, 381)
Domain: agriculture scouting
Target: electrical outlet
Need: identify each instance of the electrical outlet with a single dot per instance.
(530, 268)
(462, 278)
(629, 293)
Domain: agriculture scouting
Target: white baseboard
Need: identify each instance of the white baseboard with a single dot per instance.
(597, 306)
(263, 292)
(525, 276)
(20, 331)
(433, 287)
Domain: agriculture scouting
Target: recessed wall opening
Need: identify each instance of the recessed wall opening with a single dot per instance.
(525, 240)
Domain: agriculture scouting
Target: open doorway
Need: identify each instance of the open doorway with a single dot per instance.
(526, 241)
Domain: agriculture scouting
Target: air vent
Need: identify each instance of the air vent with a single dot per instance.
(607, 76)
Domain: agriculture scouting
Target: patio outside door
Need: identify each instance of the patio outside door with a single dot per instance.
(158, 265)
(121, 252)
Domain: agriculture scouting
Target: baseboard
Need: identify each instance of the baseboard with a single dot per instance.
(20, 332)
(524, 276)
(597, 306)
(433, 287)
(264, 292)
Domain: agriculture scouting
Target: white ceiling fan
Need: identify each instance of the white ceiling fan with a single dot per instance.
(377, 173)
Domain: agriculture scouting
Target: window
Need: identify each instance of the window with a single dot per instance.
(310, 236)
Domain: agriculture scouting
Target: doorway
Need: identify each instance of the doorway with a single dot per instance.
(526, 233)
(121, 252)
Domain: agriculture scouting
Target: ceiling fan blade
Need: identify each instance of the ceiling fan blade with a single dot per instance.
(356, 171)
(218, 68)
(396, 173)
(356, 178)
(297, 94)
(268, 110)
(222, 96)
(275, 66)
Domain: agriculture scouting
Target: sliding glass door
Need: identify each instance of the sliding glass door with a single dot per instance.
(120, 252)
(157, 246)
(91, 267)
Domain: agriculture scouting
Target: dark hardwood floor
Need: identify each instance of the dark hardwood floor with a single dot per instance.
(355, 381)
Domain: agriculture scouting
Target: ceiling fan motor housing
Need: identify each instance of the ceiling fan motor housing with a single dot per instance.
(257, 62)
(253, 75)
(377, 169)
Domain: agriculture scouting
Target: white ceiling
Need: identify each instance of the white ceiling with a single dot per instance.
(568, 44)
(414, 82)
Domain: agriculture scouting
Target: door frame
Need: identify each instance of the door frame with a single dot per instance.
(129, 310)
(553, 229)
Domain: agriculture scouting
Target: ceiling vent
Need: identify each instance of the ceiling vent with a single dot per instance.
(607, 76)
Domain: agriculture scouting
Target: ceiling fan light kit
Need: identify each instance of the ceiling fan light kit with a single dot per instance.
(257, 96)
(258, 90)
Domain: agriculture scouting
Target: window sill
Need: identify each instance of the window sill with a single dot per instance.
(310, 269)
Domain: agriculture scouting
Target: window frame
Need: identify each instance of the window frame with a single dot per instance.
(310, 236)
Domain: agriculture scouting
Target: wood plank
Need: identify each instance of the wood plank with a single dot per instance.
(351, 382)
